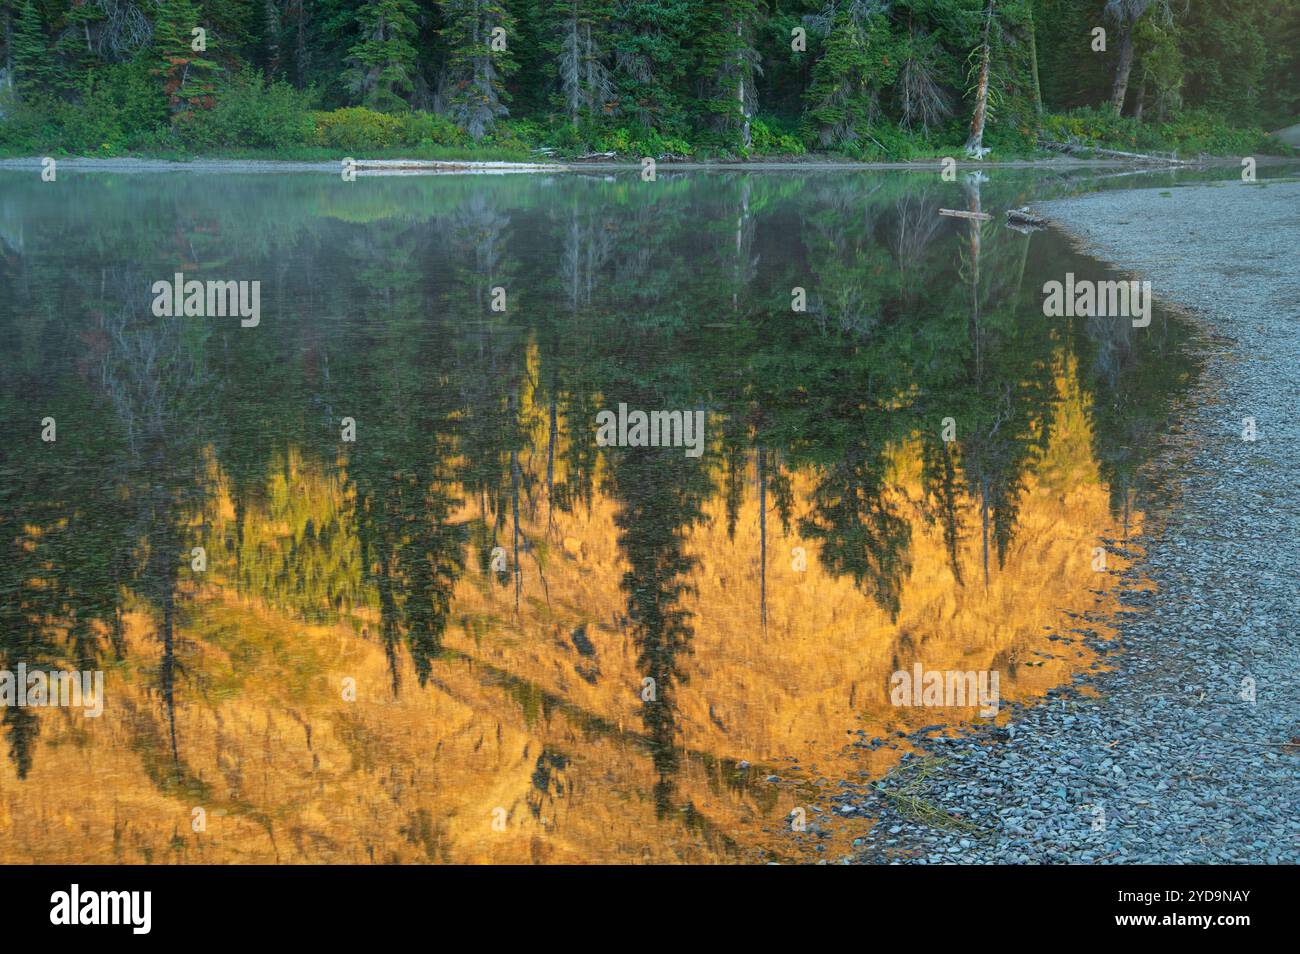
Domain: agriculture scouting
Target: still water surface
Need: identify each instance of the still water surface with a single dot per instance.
(496, 586)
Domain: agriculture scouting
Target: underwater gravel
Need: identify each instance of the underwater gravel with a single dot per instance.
(1185, 770)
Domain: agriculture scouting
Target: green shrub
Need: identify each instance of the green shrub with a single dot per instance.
(1198, 131)
(130, 92)
(637, 141)
(766, 140)
(428, 129)
(358, 129)
(112, 104)
(521, 135)
(1188, 133)
(1093, 126)
(250, 113)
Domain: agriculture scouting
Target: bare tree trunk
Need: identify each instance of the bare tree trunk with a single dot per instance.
(300, 58)
(1122, 70)
(576, 66)
(745, 139)
(271, 15)
(1033, 63)
(9, 47)
(588, 53)
(1141, 102)
(975, 144)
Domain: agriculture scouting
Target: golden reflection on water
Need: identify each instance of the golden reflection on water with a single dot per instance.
(527, 742)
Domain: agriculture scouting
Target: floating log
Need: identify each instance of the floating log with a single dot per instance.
(962, 214)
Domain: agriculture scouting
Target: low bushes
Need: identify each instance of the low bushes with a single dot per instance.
(250, 113)
(357, 129)
(1189, 133)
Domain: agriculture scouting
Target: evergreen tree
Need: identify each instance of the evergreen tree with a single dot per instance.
(478, 34)
(1227, 55)
(30, 53)
(726, 65)
(271, 37)
(382, 63)
(1160, 67)
(1072, 74)
(188, 76)
(584, 81)
(649, 61)
(647, 75)
(859, 58)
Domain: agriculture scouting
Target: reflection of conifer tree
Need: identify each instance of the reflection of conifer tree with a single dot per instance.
(735, 464)
(403, 476)
(943, 482)
(657, 504)
(916, 225)
(746, 261)
(1131, 389)
(71, 532)
(406, 392)
(859, 531)
(412, 551)
(850, 295)
(660, 493)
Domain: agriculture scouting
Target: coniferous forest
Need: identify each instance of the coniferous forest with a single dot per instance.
(863, 79)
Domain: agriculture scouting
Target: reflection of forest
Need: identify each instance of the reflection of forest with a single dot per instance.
(517, 683)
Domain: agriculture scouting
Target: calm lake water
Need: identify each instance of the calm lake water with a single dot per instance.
(431, 643)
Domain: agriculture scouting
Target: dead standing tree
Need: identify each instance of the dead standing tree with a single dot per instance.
(1125, 14)
(975, 144)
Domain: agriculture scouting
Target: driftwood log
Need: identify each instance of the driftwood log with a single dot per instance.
(1074, 147)
(962, 214)
(1024, 219)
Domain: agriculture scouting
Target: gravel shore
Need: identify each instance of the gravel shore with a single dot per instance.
(1167, 763)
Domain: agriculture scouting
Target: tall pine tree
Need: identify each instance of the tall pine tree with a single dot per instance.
(726, 66)
(584, 81)
(859, 58)
(381, 64)
(30, 53)
(649, 61)
(478, 34)
(188, 76)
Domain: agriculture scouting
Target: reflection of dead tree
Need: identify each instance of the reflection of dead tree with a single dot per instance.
(971, 185)
(915, 228)
(746, 264)
(151, 380)
(478, 225)
(587, 246)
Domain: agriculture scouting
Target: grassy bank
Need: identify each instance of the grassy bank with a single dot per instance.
(117, 115)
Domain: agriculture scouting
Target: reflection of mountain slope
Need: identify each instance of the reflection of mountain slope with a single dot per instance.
(822, 667)
(539, 714)
(287, 771)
